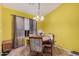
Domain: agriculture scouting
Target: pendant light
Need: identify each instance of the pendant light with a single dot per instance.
(38, 17)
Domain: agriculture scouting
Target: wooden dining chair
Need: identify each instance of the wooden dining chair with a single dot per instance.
(6, 47)
(36, 47)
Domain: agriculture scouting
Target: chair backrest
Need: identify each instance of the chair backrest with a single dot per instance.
(36, 44)
(6, 45)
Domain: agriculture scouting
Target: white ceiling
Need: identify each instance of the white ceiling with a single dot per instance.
(32, 8)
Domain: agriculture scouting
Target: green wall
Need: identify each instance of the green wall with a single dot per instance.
(64, 23)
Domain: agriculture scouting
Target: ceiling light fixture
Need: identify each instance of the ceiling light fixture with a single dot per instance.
(38, 17)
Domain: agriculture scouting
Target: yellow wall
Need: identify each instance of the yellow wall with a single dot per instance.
(0, 28)
(64, 23)
(39, 25)
(7, 21)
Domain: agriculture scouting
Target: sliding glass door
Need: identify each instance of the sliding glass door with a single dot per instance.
(21, 28)
(18, 31)
(33, 26)
(30, 26)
